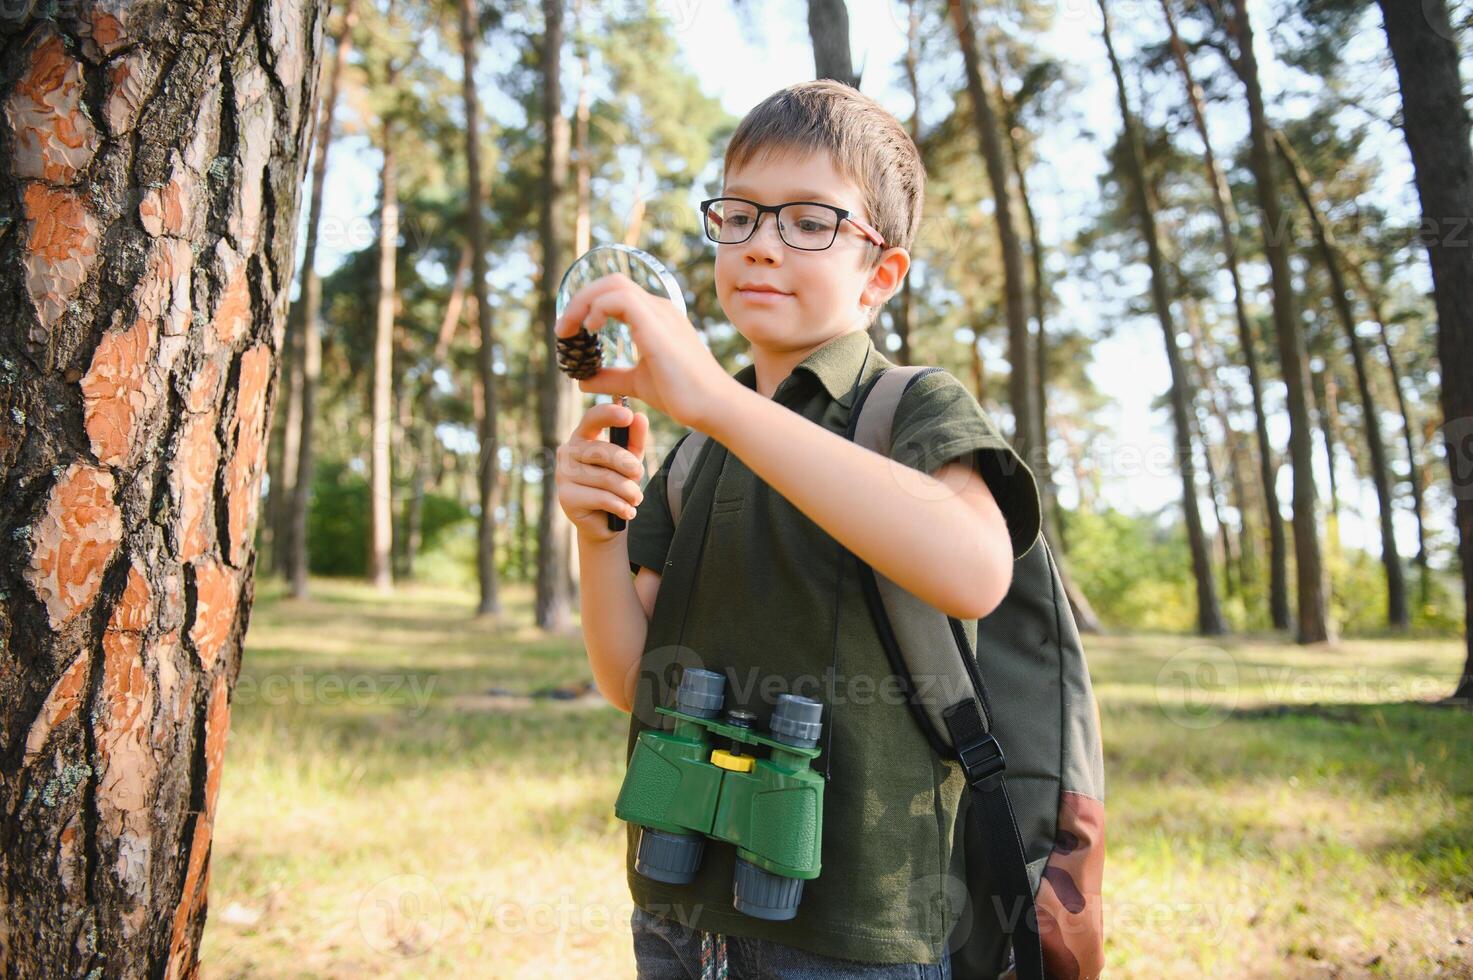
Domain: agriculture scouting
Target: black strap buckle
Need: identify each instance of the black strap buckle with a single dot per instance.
(983, 763)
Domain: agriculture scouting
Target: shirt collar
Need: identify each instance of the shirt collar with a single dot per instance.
(836, 364)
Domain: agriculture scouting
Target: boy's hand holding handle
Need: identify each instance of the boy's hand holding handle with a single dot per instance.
(595, 477)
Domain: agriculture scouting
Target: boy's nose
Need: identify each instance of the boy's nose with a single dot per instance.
(772, 244)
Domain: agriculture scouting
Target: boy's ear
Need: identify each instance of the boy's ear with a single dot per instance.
(886, 276)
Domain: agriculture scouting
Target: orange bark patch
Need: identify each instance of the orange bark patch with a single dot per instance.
(166, 210)
(134, 610)
(126, 81)
(233, 314)
(74, 541)
(60, 704)
(163, 292)
(118, 391)
(128, 768)
(204, 388)
(54, 139)
(214, 609)
(61, 249)
(243, 471)
(107, 26)
(194, 485)
(256, 125)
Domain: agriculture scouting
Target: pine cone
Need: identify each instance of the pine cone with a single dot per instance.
(579, 356)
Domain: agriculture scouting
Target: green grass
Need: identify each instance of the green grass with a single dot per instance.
(1272, 810)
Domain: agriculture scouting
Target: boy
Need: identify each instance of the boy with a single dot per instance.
(794, 503)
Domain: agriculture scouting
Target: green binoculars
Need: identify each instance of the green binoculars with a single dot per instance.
(683, 787)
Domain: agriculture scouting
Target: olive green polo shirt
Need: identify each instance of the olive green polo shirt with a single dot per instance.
(767, 608)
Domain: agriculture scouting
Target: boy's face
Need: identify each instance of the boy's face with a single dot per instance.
(825, 291)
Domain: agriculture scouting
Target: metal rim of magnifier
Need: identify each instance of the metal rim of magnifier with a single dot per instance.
(654, 265)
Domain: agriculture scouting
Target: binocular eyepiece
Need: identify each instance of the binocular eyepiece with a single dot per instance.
(680, 791)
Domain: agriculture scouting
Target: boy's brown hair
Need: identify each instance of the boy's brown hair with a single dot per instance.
(867, 145)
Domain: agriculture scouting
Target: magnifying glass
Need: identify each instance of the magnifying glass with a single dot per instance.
(585, 353)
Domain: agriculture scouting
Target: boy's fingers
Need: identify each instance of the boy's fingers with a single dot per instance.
(639, 431)
(581, 303)
(610, 381)
(600, 417)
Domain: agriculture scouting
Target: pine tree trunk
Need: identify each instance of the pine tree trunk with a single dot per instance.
(904, 314)
(1020, 363)
(381, 518)
(1209, 613)
(552, 608)
(149, 244)
(1435, 120)
(1227, 218)
(307, 341)
(1396, 594)
(486, 428)
(1314, 624)
(828, 30)
(1372, 297)
(1323, 384)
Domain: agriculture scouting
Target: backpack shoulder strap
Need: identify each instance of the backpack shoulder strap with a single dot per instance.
(681, 468)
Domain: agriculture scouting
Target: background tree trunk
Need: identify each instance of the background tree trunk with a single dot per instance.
(1437, 131)
(1396, 593)
(381, 520)
(1209, 613)
(1020, 363)
(309, 306)
(1314, 624)
(486, 428)
(1227, 219)
(828, 29)
(149, 283)
(556, 392)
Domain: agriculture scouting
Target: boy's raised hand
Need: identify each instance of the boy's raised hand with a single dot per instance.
(675, 373)
(596, 478)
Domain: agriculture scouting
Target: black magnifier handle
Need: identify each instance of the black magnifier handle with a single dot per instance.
(619, 436)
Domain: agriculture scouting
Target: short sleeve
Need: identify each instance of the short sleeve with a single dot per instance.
(651, 530)
(939, 420)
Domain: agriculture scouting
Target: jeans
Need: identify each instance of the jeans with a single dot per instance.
(666, 950)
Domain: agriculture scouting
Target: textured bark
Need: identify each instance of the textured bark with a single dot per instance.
(1312, 583)
(1020, 363)
(1435, 120)
(1396, 594)
(1227, 219)
(486, 427)
(556, 393)
(149, 179)
(828, 29)
(1209, 613)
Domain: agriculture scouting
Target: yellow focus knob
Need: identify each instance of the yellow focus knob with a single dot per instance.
(732, 761)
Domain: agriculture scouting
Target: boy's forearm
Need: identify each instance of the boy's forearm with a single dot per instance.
(912, 528)
(614, 621)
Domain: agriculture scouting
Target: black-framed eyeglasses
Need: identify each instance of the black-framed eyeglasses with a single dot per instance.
(808, 225)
